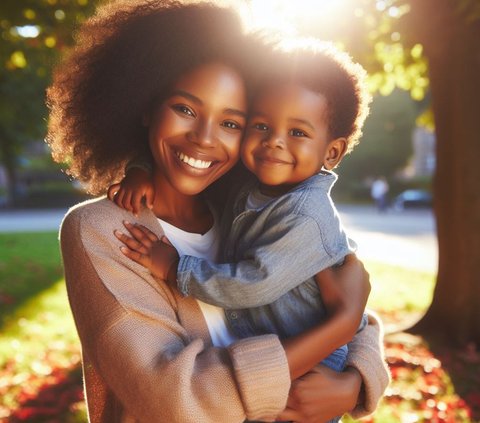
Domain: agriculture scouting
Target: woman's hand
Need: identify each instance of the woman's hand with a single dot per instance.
(321, 395)
(133, 188)
(144, 247)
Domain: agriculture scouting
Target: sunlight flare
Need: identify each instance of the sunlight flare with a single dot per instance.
(286, 16)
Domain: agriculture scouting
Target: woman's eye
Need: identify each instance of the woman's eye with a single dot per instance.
(231, 124)
(183, 109)
(297, 133)
(260, 127)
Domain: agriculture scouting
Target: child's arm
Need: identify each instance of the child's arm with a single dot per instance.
(303, 351)
(132, 189)
(288, 251)
(345, 291)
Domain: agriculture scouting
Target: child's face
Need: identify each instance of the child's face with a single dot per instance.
(287, 138)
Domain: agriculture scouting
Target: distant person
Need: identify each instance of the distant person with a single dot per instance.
(379, 193)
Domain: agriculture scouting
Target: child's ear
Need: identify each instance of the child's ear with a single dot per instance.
(335, 151)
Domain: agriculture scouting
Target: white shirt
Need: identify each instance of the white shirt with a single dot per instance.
(203, 246)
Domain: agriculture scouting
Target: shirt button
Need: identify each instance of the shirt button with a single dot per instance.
(233, 315)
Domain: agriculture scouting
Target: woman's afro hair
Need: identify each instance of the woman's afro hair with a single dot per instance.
(125, 58)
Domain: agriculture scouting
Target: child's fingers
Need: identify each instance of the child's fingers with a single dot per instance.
(131, 243)
(135, 256)
(149, 197)
(136, 202)
(118, 199)
(151, 236)
(127, 201)
(112, 191)
(138, 232)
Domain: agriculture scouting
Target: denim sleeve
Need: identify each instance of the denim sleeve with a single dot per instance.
(289, 251)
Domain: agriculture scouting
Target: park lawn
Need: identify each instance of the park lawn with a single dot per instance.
(40, 359)
(39, 349)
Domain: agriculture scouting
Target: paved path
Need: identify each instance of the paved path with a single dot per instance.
(404, 238)
(31, 220)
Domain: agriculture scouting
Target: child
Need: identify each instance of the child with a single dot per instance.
(282, 228)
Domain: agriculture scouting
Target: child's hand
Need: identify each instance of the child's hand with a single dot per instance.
(146, 249)
(129, 193)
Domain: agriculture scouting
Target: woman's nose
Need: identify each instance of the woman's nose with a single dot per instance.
(203, 135)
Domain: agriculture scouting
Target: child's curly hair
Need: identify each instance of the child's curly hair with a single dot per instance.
(327, 70)
(124, 60)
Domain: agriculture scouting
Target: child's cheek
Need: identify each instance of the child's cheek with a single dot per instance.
(246, 150)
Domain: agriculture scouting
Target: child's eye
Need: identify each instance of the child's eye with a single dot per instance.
(231, 125)
(183, 109)
(260, 127)
(297, 133)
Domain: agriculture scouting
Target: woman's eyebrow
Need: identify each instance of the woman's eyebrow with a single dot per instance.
(187, 95)
(195, 99)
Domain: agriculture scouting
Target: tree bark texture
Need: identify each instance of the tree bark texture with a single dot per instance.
(452, 47)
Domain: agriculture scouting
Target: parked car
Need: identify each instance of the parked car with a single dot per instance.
(412, 198)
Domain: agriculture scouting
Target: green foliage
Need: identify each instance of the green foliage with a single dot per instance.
(385, 146)
(34, 33)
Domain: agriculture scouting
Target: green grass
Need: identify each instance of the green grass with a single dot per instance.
(34, 312)
(29, 264)
(399, 288)
(37, 333)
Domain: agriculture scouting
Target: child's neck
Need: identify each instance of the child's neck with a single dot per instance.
(189, 213)
(275, 191)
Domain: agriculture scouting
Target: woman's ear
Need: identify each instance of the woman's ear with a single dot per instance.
(335, 151)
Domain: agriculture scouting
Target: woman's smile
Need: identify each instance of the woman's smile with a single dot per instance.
(192, 162)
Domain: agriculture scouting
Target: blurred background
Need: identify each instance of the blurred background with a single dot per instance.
(408, 194)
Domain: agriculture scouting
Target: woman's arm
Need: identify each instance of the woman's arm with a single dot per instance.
(131, 329)
(366, 355)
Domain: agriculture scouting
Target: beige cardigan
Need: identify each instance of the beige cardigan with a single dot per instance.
(147, 353)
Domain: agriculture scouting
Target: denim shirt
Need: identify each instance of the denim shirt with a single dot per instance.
(264, 277)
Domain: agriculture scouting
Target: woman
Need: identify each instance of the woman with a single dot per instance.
(170, 78)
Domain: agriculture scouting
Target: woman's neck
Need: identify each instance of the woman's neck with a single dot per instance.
(187, 212)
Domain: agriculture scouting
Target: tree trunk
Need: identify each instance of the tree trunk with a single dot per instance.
(452, 49)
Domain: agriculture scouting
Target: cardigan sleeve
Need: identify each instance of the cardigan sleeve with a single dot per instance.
(130, 330)
(366, 354)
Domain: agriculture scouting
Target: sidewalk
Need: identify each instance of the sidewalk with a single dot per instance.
(31, 220)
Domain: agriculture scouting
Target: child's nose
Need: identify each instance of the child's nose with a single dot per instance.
(274, 141)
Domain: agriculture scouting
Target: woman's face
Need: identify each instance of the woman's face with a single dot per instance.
(195, 133)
